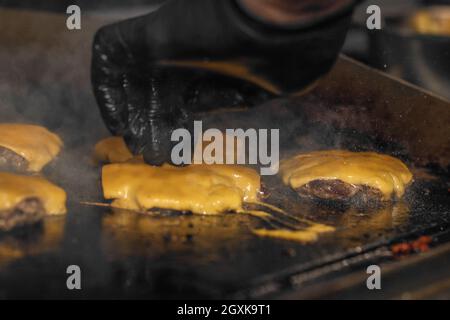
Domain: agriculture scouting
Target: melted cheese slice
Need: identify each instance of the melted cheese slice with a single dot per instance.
(385, 173)
(434, 21)
(35, 144)
(114, 150)
(309, 234)
(16, 188)
(205, 189)
(229, 68)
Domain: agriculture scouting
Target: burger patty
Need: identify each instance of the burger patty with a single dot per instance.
(26, 212)
(11, 161)
(338, 190)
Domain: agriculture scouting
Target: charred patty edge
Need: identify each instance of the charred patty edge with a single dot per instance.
(26, 212)
(11, 161)
(338, 190)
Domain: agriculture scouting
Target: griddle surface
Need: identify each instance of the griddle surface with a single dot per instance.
(172, 255)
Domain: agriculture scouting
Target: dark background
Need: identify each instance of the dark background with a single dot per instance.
(387, 50)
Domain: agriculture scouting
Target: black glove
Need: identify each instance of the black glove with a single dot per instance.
(144, 102)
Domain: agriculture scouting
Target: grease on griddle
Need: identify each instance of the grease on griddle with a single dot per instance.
(126, 233)
(357, 226)
(297, 229)
(31, 240)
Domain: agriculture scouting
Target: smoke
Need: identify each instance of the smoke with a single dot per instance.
(44, 80)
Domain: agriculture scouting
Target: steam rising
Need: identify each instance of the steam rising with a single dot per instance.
(45, 79)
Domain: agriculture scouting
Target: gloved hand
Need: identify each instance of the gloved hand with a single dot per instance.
(143, 101)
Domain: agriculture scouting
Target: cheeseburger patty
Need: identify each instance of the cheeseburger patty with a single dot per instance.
(340, 175)
(338, 190)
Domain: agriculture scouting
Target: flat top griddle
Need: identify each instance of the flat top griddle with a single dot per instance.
(173, 255)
